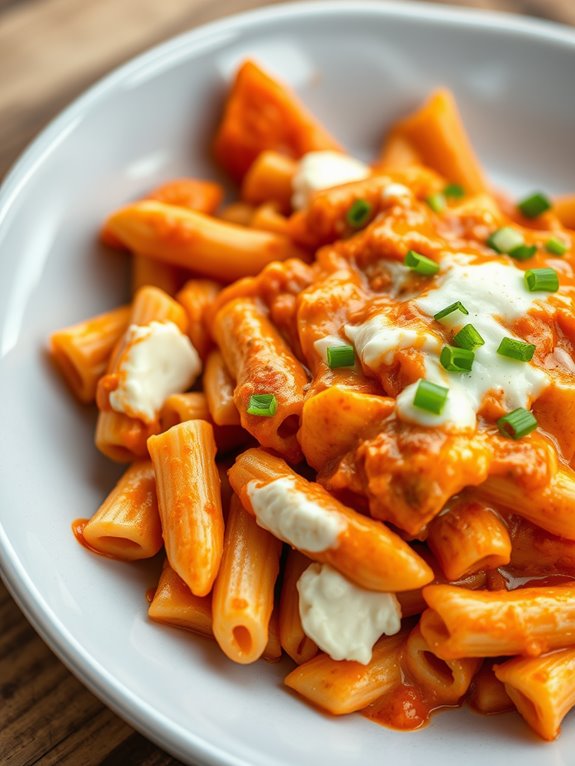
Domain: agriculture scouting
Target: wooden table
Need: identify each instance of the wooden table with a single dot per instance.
(50, 50)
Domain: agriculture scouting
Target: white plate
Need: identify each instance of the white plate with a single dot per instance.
(359, 66)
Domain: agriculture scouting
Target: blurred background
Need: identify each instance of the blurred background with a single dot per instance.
(50, 51)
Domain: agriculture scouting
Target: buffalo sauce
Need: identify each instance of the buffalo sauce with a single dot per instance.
(407, 707)
(78, 526)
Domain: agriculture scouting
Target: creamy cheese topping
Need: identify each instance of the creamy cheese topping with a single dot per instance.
(378, 340)
(343, 619)
(322, 170)
(495, 296)
(158, 360)
(396, 192)
(289, 514)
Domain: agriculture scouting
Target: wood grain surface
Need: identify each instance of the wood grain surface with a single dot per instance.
(50, 51)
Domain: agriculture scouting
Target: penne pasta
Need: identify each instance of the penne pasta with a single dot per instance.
(488, 694)
(268, 218)
(269, 180)
(239, 213)
(295, 642)
(175, 605)
(206, 245)
(446, 680)
(127, 524)
(243, 593)
(564, 209)
(219, 391)
(189, 500)
(82, 352)
(322, 528)
(262, 364)
(347, 686)
(465, 623)
(542, 688)
(149, 273)
(468, 537)
(196, 296)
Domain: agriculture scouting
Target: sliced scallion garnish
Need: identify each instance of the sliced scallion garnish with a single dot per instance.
(468, 337)
(340, 356)
(456, 359)
(430, 397)
(534, 205)
(265, 405)
(421, 264)
(518, 423)
(542, 280)
(516, 349)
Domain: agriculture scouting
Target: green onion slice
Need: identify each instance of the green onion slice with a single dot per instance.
(457, 306)
(556, 246)
(421, 264)
(430, 397)
(359, 213)
(542, 280)
(518, 423)
(340, 356)
(265, 405)
(516, 349)
(468, 337)
(505, 240)
(454, 191)
(534, 205)
(523, 252)
(456, 359)
(436, 202)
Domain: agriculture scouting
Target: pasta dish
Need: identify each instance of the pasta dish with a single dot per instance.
(347, 409)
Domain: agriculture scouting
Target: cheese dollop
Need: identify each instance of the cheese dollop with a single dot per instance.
(287, 512)
(322, 170)
(158, 360)
(343, 619)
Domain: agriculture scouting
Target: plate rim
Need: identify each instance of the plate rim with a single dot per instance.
(182, 742)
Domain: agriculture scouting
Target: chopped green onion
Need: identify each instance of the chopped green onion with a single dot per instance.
(505, 240)
(340, 356)
(454, 191)
(263, 404)
(534, 205)
(457, 306)
(518, 423)
(421, 264)
(431, 397)
(516, 349)
(523, 252)
(542, 280)
(456, 359)
(436, 202)
(359, 213)
(556, 247)
(468, 338)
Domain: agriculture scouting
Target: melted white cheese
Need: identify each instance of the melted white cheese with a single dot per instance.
(288, 513)
(343, 619)
(378, 340)
(495, 295)
(322, 170)
(158, 360)
(397, 192)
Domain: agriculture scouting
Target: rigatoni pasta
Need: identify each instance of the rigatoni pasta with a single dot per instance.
(348, 406)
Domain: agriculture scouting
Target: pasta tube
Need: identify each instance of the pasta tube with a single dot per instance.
(188, 487)
(542, 689)
(306, 516)
(127, 524)
(243, 594)
(82, 352)
(206, 245)
(262, 364)
(196, 296)
(488, 694)
(466, 623)
(342, 687)
(295, 642)
(149, 273)
(269, 179)
(446, 680)
(219, 390)
(469, 537)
